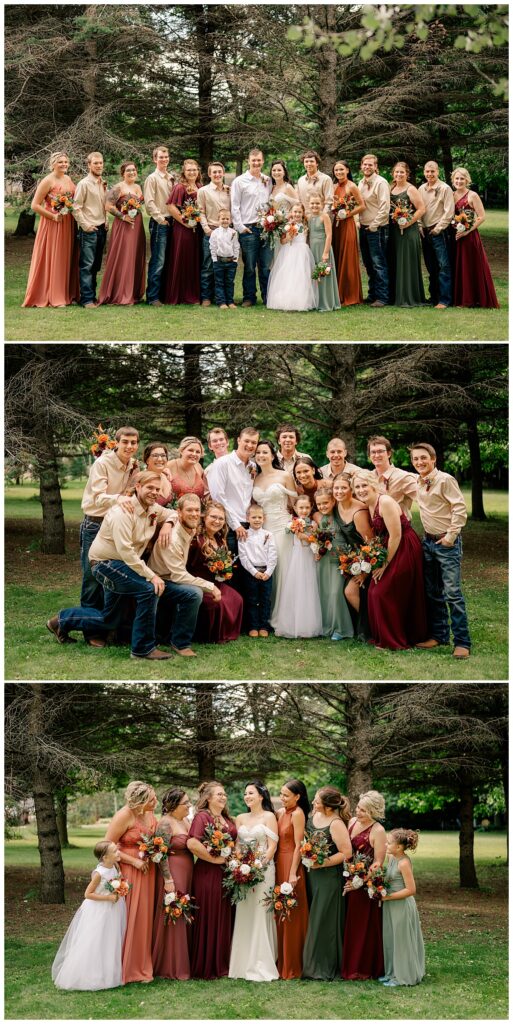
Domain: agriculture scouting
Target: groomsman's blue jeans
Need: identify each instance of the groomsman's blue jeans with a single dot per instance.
(91, 594)
(373, 246)
(442, 575)
(159, 234)
(224, 278)
(178, 611)
(92, 244)
(437, 257)
(207, 271)
(118, 581)
(256, 254)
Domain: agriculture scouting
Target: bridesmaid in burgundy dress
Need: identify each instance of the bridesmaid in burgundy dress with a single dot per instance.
(473, 285)
(362, 956)
(183, 271)
(126, 828)
(213, 927)
(170, 953)
(124, 280)
(187, 476)
(53, 275)
(396, 601)
(291, 830)
(218, 621)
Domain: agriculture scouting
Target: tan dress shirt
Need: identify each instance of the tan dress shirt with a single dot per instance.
(327, 472)
(89, 200)
(319, 183)
(400, 485)
(156, 191)
(108, 478)
(376, 194)
(439, 202)
(169, 563)
(125, 536)
(442, 506)
(288, 464)
(211, 200)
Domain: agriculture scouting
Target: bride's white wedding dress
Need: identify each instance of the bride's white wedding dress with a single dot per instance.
(274, 501)
(254, 944)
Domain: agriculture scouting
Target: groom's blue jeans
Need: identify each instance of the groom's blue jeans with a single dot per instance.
(256, 254)
(442, 576)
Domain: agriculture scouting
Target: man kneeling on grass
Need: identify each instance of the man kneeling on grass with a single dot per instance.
(116, 562)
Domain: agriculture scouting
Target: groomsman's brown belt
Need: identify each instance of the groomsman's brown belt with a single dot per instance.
(434, 536)
(93, 519)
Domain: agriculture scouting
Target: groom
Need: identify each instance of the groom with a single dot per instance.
(231, 483)
(249, 193)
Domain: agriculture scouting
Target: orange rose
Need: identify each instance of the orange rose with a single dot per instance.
(177, 912)
(278, 905)
(157, 840)
(276, 888)
(143, 848)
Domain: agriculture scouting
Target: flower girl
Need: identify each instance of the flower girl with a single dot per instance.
(89, 956)
(403, 945)
(293, 617)
(290, 283)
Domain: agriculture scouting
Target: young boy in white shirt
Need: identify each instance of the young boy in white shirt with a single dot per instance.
(258, 556)
(224, 249)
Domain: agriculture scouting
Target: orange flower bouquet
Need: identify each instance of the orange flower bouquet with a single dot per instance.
(178, 906)
(281, 900)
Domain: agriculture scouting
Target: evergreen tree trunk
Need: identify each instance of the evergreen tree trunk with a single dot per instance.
(205, 731)
(327, 60)
(54, 536)
(205, 50)
(52, 868)
(343, 383)
(468, 876)
(359, 747)
(478, 511)
(61, 813)
(193, 396)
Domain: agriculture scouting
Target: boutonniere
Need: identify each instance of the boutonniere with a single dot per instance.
(252, 470)
(152, 518)
(265, 179)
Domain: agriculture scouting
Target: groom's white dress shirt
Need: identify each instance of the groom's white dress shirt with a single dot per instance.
(248, 194)
(231, 483)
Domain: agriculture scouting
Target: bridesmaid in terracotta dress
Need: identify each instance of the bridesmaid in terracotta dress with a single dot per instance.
(395, 598)
(363, 942)
(183, 272)
(292, 820)
(473, 285)
(218, 621)
(124, 280)
(170, 953)
(345, 236)
(213, 926)
(53, 275)
(126, 828)
(187, 476)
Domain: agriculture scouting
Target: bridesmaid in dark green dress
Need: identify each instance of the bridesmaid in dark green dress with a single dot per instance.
(353, 520)
(336, 617)
(322, 954)
(319, 240)
(405, 265)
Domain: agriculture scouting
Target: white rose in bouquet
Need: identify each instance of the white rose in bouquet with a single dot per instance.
(307, 862)
(157, 857)
(132, 213)
(365, 566)
(225, 852)
(233, 864)
(460, 227)
(286, 888)
(356, 568)
(342, 214)
(115, 883)
(402, 221)
(170, 897)
(245, 869)
(357, 882)
(315, 548)
(258, 863)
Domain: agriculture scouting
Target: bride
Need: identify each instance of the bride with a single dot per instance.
(254, 944)
(272, 490)
(283, 193)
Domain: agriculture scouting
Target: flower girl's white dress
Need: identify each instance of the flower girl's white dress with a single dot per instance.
(89, 956)
(298, 613)
(290, 284)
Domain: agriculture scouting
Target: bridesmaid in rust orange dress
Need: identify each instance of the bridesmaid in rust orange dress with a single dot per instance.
(124, 280)
(345, 238)
(291, 829)
(187, 476)
(171, 942)
(126, 828)
(53, 275)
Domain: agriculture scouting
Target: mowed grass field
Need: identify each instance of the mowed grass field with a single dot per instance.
(193, 323)
(37, 586)
(465, 932)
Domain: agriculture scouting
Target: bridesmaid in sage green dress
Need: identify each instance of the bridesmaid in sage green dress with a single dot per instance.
(336, 617)
(319, 239)
(322, 954)
(403, 945)
(353, 520)
(405, 263)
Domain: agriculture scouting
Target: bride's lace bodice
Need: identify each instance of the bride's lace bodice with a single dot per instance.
(282, 201)
(257, 835)
(274, 503)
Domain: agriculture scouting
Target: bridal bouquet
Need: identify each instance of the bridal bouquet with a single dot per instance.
(342, 205)
(102, 443)
(178, 906)
(120, 886)
(217, 842)
(152, 847)
(464, 220)
(357, 871)
(314, 849)
(321, 269)
(61, 202)
(402, 213)
(221, 564)
(190, 214)
(376, 887)
(271, 220)
(243, 871)
(281, 900)
(131, 205)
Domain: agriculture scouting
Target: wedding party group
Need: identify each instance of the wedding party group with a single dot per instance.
(301, 892)
(264, 540)
(304, 242)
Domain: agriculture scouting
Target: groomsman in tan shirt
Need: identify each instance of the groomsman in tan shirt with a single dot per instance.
(437, 241)
(374, 229)
(314, 181)
(337, 452)
(157, 189)
(212, 198)
(91, 217)
(399, 484)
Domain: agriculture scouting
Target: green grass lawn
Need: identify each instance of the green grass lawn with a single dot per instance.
(38, 586)
(465, 933)
(191, 323)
